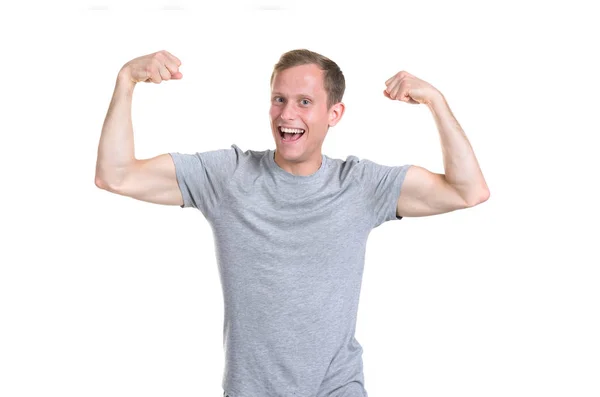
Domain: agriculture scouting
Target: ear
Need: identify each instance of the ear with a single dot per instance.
(335, 113)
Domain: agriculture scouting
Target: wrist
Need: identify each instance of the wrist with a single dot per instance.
(436, 100)
(124, 79)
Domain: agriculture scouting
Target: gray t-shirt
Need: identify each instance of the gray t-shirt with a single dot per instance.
(290, 251)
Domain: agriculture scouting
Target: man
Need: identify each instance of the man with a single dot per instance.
(291, 224)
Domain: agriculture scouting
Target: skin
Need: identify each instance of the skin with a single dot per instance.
(299, 100)
(462, 185)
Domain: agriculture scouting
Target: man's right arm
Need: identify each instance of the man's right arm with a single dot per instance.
(117, 170)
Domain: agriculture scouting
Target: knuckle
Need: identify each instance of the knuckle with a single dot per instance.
(158, 58)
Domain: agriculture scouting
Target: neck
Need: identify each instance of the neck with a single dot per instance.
(299, 168)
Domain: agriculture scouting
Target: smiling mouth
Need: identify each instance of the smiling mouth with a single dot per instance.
(291, 134)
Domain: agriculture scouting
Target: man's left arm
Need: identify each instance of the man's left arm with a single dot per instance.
(462, 185)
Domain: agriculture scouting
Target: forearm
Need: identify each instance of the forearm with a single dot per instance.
(460, 164)
(116, 147)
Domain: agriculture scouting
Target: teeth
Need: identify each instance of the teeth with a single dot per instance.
(292, 130)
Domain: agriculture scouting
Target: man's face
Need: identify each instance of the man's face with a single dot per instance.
(299, 101)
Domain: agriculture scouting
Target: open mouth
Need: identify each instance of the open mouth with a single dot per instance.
(290, 134)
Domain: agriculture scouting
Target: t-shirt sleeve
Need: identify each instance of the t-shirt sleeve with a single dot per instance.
(381, 186)
(203, 177)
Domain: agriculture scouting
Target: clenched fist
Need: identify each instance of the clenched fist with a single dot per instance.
(155, 68)
(405, 87)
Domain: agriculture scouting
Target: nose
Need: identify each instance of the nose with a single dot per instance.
(288, 112)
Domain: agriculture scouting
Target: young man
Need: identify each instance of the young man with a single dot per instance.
(291, 224)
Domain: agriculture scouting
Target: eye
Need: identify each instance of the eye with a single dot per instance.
(307, 101)
(276, 98)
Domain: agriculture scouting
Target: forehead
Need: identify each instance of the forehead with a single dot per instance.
(299, 79)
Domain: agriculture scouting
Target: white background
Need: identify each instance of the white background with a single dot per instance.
(104, 295)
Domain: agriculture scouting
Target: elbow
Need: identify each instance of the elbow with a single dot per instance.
(100, 178)
(476, 199)
(100, 183)
(486, 195)
(108, 179)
